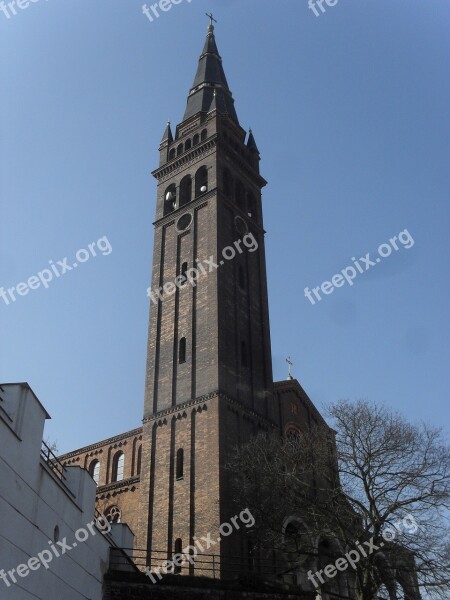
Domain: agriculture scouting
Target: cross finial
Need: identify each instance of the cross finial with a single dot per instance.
(290, 364)
(212, 19)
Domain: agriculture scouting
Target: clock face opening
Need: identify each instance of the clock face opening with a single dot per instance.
(184, 222)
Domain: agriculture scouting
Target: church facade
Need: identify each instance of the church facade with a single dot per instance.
(209, 383)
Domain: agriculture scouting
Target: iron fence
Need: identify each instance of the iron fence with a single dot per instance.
(214, 566)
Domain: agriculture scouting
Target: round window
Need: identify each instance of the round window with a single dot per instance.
(184, 222)
(241, 225)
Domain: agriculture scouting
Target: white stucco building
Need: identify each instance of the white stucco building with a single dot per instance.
(51, 548)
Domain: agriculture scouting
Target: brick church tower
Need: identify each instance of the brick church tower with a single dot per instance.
(209, 379)
(209, 383)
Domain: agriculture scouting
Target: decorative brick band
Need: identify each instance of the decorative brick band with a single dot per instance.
(108, 441)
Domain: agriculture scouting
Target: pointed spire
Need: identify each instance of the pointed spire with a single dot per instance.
(210, 77)
(251, 144)
(167, 137)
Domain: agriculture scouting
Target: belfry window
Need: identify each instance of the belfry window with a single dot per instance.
(118, 467)
(204, 135)
(180, 150)
(182, 351)
(201, 181)
(196, 139)
(188, 145)
(172, 154)
(170, 199)
(185, 190)
(180, 464)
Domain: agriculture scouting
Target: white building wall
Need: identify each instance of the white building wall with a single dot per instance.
(33, 501)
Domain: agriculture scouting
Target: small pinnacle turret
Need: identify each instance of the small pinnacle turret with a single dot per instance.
(167, 137)
(251, 144)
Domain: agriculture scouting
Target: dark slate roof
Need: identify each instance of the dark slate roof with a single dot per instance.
(210, 76)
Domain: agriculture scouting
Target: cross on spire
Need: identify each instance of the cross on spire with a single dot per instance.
(212, 19)
(290, 364)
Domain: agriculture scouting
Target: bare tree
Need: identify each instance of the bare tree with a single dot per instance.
(52, 445)
(391, 469)
(382, 481)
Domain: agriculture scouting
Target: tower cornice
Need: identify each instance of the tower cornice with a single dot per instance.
(232, 402)
(168, 170)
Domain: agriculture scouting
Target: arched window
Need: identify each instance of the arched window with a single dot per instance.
(188, 145)
(201, 181)
(239, 194)
(292, 432)
(170, 199)
(113, 514)
(184, 268)
(118, 467)
(180, 464)
(228, 184)
(139, 461)
(185, 190)
(204, 135)
(244, 356)
(94, 470)
(251, 205)
(172, 154)
(178, 549)
(180, 150)
(196, 139)
(182, 351)
(241, 278)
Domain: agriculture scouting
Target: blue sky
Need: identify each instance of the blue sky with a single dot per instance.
(350, 112)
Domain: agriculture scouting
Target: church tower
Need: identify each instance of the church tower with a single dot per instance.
(209, 379)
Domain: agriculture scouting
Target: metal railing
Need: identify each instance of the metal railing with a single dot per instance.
(213, 566)
(53, 462)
